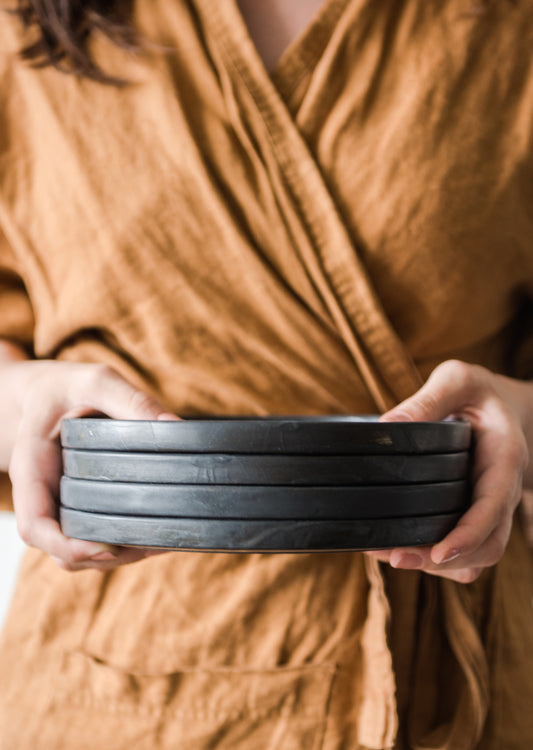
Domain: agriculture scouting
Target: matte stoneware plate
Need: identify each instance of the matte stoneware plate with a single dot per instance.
(216, 468)
(336, 435)
(236, 501)
(255, 536)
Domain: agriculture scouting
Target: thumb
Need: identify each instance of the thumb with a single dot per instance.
(450, 388)
(101, 389)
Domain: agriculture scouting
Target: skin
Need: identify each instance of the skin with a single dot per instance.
(36, 395)
(273, 26)
(500, 411)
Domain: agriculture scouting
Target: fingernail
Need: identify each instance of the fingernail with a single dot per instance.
(102, 552)
(101, 556)
(449, 556)
(403, 417)
(389, 416)
(407, 560)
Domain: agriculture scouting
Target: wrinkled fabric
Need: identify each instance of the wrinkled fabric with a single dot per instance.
(311, 241)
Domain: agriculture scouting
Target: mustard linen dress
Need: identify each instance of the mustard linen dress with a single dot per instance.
(311, 241)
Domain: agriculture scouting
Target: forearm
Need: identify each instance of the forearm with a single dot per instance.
(10, 407)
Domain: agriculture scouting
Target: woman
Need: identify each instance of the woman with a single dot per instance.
(307, 225)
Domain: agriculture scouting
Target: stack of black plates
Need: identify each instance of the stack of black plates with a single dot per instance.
(288, 484)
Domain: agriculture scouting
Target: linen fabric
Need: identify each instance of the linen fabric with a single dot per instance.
(311, 241)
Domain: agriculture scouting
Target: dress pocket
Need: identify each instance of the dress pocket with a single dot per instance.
(95, 705)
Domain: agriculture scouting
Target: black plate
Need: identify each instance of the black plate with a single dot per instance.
(255, 536)
(216, 468)
(333, 435)
(231, 501)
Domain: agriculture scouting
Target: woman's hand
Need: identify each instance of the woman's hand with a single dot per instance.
(500, 411)
(43, 393)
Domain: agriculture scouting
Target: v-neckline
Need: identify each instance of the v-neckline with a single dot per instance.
(299, 57)
(330, 257)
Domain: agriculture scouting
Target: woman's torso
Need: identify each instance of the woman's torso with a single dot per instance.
(240, 242)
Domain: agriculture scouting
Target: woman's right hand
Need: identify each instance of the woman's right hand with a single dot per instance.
(36, 396)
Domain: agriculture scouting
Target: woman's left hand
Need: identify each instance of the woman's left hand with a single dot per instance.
(500, 411)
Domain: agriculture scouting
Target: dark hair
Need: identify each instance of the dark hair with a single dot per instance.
(63, 28)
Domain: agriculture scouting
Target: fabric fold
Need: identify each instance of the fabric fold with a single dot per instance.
(235, 253)
(322, 242)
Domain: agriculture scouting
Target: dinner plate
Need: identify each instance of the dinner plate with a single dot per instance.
(216, 468)
(237, 501)
(255, 536)
(324, 435)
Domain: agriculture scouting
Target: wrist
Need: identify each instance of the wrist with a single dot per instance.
(519, 395)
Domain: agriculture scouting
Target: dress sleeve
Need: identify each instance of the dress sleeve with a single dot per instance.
(16, 324)
(16, 314)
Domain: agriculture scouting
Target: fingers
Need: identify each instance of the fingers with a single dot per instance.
(500, 456)
(461, 568)
(493, 505)
(417, 558)
(452, 387)
(35, 467)
(499, 459)
(478, 541)
(35, 473)
(103, 389)
(108, 560)
(87, 389)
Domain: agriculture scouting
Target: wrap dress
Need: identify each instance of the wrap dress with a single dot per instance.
(310, 241)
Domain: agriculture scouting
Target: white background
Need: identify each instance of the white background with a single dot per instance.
(11, 549)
